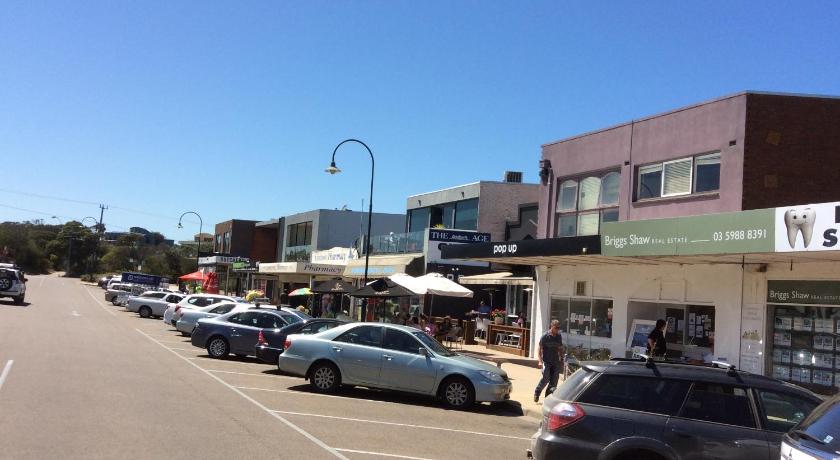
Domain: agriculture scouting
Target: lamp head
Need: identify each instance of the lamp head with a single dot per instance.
(179, 225)
(332, 169)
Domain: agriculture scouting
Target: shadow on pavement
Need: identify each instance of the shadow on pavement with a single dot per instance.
(11, 303)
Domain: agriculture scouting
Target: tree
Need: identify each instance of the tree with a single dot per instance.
(117, 259)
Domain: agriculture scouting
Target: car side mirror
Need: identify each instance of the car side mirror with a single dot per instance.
(422, 351)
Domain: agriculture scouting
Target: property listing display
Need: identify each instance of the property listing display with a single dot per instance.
(805, 345)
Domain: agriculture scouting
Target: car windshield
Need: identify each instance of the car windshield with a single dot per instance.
(433, 344)
(823, 425)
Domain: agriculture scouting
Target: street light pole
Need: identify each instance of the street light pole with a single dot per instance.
(90, 259)
(200, 232)
(333, 170)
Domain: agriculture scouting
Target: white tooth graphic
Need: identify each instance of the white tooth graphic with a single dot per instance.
(792, 228)
(800, 221)
(808, 216)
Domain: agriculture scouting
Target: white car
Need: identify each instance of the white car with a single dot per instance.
(172, 313)
(152, 303)
(12, 283)
(189, 317)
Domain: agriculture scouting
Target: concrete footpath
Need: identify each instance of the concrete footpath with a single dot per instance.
(523, 373)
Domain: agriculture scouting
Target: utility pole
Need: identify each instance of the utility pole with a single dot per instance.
(99, 230)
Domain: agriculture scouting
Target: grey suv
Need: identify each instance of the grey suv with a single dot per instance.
(12, 283)
(637, 410)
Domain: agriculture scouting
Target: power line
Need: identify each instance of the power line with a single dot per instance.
(68, 218)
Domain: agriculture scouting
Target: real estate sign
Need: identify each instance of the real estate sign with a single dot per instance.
(727, 233)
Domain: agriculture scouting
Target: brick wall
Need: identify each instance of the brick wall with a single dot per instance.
(264, 246)
(791, 151)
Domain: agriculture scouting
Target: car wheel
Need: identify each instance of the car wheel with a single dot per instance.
(324, 378)
(145, 312)
(458, 393)
(114, 302)
(217, 347)
(18, 300)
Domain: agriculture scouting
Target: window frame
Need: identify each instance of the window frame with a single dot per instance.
(578, 212)
(559, 200)
(694, 170)
(665, 164)
(389, 331)
(346, 333)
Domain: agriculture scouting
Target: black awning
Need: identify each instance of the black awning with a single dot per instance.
(569, 246)
(333, 287)
(383, 287)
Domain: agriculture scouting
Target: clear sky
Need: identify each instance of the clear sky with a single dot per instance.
(232, 109)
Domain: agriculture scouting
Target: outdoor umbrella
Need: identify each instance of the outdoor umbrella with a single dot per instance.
(332, 287)
(301, 291)
(194, 276)
(437, 284)
(382, 287)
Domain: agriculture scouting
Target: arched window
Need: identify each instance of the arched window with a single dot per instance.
(609, 189)
(567, 196)
(590, 188)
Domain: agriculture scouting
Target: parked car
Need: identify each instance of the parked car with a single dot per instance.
(270, 342)
(173, 312)
(114, 289)
(103, 282)
(152, 303)
(114, 279)
(817, 437)
(12, 283)
(392, 357)
(632, 409)
(189, 318)
(237, 332)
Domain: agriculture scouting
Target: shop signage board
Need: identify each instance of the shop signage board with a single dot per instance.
(803, 292)
(812, 227)
(437, 237)
(141, 278)
(334, 256)
(302, 268)
(727, 233)
(221, 260)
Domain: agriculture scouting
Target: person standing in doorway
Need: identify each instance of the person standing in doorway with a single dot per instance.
(656, 345)
(550, 359)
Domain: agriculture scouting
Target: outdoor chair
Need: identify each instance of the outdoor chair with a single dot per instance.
(480, 329)
(453, 337)
(512, 340)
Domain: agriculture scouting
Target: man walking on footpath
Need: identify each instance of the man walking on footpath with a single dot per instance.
(550, 359)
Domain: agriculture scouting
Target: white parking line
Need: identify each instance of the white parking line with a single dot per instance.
(6, 370)
(97, 303)
(291, 425)
(381, 454)
(304, 393)
(453, 430)
(246, 373)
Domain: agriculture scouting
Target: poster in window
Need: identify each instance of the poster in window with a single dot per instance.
(837, 380)
(803, 324)
(824, 325)
(802, 358)
(800, 374)
(781, 372)
(781, 355)
(639, 333)
(781, 338)
(783, 323)
(680, 325)
(822, 378)
(824, 342)
(824, 360)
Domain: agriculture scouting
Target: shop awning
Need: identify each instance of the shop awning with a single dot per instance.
(380, 266)
(500, 278)
(194, 276)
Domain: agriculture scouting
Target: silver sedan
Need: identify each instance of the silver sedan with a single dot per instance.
(392, 357)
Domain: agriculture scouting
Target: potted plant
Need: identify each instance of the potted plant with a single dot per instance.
(498, 316)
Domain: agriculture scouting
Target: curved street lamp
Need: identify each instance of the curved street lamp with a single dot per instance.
(200, 232)
(333, 169)
(89, 217)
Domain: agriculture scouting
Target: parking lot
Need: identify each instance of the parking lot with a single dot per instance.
(85, 370)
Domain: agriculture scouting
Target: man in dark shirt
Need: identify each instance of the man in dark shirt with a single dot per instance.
(550, 356)
(656, 340)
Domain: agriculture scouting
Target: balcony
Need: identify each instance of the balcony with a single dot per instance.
(397, 243)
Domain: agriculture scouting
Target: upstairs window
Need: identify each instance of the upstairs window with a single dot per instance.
(679, 177)
(583, 204)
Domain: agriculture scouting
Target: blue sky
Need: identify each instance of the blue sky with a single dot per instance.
(232, 109)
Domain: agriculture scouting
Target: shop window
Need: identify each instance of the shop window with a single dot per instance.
(684, 176)
(804, 342)
(300, 234)
(703, 319)
(602, 315)
(579, 316)
(583, 205)
(466, 214)
(418, 219)
(559, 311)
(449, 215)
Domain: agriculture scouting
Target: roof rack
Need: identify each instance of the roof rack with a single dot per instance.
(731, 369)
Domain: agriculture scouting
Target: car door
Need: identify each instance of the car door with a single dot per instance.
(403, 367)
(717, 422)
(358, 353)
(243, 331)
(779, 413)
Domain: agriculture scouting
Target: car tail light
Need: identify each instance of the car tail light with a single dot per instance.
(563, 415)
(260, 338)
(287, 343)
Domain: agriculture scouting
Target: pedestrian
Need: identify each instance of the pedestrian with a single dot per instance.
(484, 310)
(656, 345)
(549, 359)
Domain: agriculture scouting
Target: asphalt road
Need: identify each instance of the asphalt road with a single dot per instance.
(80, 378)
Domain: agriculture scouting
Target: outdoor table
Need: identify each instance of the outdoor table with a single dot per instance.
(524, 339)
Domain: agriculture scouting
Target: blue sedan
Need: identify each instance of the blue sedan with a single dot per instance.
(237, 332)
(392, 357)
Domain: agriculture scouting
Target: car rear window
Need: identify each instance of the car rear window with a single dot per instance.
(645, 394)
(572, 385)
(824, 424)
